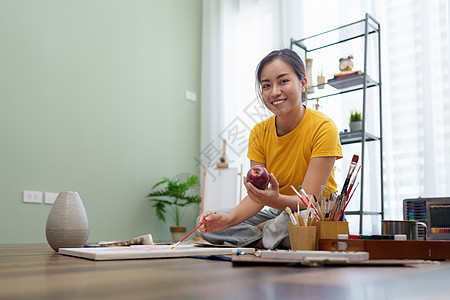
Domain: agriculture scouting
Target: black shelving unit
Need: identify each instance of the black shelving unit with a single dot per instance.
(357, 30)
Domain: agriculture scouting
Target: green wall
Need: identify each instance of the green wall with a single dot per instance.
(93, 100)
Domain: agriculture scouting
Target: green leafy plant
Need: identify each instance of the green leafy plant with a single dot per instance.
(176, 194)
(355, 116)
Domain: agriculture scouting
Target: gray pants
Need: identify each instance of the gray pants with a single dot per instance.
(275, 232)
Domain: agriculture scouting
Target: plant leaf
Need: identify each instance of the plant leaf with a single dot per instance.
(173, 193)
(160, 210)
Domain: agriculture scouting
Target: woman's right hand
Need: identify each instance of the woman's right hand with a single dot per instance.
(214, 222)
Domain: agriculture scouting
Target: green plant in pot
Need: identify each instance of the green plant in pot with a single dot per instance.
(171, 196)
(355, 121)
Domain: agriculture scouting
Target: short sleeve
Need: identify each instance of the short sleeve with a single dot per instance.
(255, 149)
(326, 141)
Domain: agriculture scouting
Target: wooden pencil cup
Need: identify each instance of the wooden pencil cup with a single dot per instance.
(330, 230)
(302, 237)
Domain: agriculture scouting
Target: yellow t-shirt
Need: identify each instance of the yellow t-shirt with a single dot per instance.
(288, 156)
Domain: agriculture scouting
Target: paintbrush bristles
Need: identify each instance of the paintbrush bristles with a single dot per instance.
(291, 216)
(175, 245)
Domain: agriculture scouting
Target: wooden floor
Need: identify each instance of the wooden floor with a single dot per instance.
(37, 272)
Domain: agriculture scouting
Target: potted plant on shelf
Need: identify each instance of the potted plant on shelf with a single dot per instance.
(176, 194)
(355, 121)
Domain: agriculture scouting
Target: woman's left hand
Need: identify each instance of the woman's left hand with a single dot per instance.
(268, 197)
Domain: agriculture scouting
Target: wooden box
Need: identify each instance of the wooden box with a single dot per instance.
(330, 230)
(302, 237)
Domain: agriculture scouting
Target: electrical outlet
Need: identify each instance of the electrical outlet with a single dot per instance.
(191, 96)
(32, 197)
(49, 198)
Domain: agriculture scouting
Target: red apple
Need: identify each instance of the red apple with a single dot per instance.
(259, 177)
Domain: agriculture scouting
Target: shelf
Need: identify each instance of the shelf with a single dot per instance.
(341, 86)
(366, 31)
(358, 212)
(356, 137)
(338, 35)
(356, 81)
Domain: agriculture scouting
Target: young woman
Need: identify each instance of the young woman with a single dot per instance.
(297, 145)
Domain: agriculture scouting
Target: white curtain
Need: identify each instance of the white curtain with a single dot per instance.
(415, 75)
(417, 101)
(237, 34)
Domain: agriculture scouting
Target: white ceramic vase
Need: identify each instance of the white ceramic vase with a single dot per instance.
(67, 223)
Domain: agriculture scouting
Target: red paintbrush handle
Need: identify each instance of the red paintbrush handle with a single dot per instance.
(315, 209)
(312, 205)
(348, 201)
(193, 231)
(204, 221)
(304, 202)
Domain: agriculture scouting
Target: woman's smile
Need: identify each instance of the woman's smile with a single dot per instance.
(278, 102)
(281, 89)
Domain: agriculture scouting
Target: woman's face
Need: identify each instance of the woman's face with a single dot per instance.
(281, 89)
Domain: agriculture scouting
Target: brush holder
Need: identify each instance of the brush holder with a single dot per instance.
(302, 237)
(330, 230)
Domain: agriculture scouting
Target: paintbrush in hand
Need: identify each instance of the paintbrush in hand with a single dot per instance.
(204, 221)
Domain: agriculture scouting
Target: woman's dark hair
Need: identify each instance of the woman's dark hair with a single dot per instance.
(286, 55)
